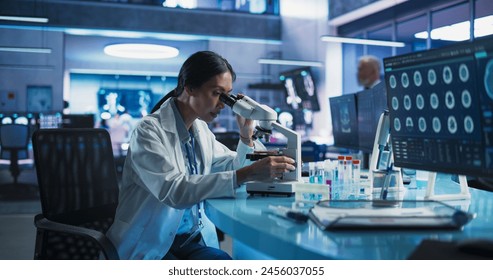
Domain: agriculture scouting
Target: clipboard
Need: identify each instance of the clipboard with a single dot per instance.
(393, 214)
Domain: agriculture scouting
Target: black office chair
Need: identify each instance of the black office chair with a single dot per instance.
(311, 151)
(79, 192)
(230, 139)
(14, 140)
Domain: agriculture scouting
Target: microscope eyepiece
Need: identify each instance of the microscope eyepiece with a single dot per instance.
(229, 100)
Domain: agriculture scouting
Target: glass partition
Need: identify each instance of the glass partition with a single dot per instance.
(450, 25)
(406, 31)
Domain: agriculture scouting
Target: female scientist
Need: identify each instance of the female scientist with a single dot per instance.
(174, 163)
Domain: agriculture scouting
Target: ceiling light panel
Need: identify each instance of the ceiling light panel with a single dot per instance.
(141, 51)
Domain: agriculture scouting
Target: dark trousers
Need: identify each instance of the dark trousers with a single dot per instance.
(195, 250)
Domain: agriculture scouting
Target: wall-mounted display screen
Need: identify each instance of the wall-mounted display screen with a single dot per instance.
(39, 99)
(135, 102)
(301, 92)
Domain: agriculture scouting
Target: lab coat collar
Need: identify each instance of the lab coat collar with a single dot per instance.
(183, 133)
(171, 121)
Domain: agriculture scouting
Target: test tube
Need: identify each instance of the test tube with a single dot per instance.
(311, 172)
(339, 171)
(320, 172)
(328, 172)
(356, 175)
(328, 176)
(356, 170)
(349, 170)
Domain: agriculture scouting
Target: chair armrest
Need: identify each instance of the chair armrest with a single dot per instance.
(108, 249)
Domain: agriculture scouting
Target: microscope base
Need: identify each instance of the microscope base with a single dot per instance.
(274, 188)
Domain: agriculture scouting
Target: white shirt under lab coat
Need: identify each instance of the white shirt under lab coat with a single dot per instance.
(156, 187)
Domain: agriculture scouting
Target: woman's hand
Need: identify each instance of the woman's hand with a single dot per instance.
(246, 129)
(267, 168)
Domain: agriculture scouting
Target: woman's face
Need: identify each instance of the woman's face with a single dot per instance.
(205, 101)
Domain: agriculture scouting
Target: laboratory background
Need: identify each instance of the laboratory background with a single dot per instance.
(106, 63)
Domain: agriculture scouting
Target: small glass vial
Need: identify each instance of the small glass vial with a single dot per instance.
(357, 175)
(356, 170)
(328, 172)
(311, 172)
(320, 172)
(339, 177)
(348, 176)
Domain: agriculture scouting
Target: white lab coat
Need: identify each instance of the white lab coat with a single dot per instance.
(156, 187)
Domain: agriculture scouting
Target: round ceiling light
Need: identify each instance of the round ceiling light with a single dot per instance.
(141, 51)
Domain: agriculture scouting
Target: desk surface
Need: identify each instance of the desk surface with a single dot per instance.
(246, 219)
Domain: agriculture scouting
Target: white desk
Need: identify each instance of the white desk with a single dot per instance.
(245, 220)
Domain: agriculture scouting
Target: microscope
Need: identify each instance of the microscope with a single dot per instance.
(266, 118)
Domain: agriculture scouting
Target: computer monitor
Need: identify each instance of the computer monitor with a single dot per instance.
(343, 112)
(300, 88)
(371, 103)
(78, 120)
(441, 108)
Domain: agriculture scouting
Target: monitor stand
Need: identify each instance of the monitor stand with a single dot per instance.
(382, 155)
(462, 195)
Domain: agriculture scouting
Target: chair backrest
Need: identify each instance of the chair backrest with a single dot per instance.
(311, 151)
(75, 169)
(230, 139)
(14, 136)
(77, 178)
(14, 141)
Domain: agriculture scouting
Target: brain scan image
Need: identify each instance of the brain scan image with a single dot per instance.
(488, 79)
(434, 100)
(397, 124)
(447, 75)
(432, 77)
(437, 125)
(422, 124)
(466, 99)
(468, 124)
(463, 73)
(420, 101)
(345, 119)
(393, 82)
(405, 80)
(395, 103)
(407, 102)
(452, 124)
(449, 100)
(417, 78)
(409, 124)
